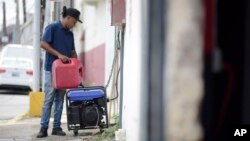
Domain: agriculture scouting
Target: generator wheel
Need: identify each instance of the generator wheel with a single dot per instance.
(101, 130)
(75, 132)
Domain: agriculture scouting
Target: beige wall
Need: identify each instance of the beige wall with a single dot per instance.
(184, 70)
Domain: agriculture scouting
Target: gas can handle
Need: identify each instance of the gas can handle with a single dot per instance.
(67, 62)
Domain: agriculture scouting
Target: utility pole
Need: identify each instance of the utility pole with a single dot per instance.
(5, 38)
(24, 12)
(36, 44)
(47, 18)
(4, 20)
(17, 23)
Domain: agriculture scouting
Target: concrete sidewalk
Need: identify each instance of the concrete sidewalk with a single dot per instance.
(25, 129)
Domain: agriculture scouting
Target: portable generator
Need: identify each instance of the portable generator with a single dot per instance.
(86, 108)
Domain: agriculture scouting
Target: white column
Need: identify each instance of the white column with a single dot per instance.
(36, 44)
(132, 71)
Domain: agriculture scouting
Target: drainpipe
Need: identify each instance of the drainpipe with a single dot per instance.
(121, 76)
(144, 95)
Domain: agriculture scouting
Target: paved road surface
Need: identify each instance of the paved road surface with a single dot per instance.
(13, 104)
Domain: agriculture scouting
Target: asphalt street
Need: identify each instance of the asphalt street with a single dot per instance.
(13, 103)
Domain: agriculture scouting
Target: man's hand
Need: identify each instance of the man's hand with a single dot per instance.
(63, 58)
(46, 46)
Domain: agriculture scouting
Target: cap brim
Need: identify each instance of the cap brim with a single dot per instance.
(79, 21)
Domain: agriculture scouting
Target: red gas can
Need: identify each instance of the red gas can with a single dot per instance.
(67, 75)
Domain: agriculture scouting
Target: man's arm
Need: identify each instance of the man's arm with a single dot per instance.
(46, 46)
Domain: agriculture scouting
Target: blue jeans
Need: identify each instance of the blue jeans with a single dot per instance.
(55, 96)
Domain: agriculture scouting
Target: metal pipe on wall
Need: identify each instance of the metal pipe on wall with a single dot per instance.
(143, 133)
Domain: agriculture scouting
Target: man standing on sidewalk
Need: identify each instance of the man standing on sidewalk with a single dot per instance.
(58, 42)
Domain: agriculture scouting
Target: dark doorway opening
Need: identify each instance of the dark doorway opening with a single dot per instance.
(226, 71)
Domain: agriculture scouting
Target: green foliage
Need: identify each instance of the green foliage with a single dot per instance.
(108, 134)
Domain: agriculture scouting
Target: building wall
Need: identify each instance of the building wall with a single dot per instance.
(184, 70)
(132, 71)
(86, 43)
(94, 40)
(94, 16)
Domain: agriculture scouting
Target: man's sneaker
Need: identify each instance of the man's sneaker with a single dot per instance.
(42, 133)
(58, 131)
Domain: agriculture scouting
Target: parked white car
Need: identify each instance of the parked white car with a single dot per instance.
(16, 66)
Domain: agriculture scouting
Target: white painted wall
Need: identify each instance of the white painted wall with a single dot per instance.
(95, 19)
(132, 70)
(94, 24)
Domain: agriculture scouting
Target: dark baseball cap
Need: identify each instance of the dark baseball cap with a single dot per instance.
(72, 12)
